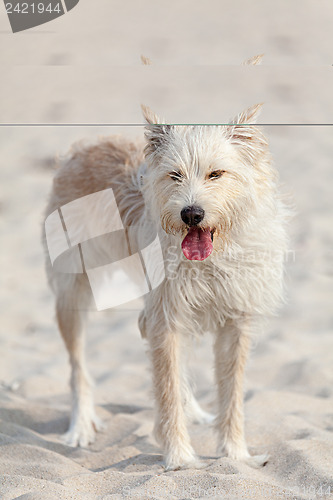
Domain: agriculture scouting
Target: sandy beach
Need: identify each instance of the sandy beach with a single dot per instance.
(84, 68)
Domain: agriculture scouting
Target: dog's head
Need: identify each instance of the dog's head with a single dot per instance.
(205, 181)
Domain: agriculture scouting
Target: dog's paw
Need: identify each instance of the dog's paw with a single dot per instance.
(195, 463)
(196, 414)
(241, 454)
(181, 458)
(203, 417)
(257, 461)
(82, 432)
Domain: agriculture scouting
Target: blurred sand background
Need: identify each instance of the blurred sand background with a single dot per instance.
(84, 68)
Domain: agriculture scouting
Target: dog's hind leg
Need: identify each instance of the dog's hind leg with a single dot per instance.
(231, 349)
(192, 409)
(71, 310)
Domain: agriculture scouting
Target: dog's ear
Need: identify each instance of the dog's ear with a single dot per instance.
(253, 61)
(149, 115)
(249, 115)
(156, 131)
(241, 127)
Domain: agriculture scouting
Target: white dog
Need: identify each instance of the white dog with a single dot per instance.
(210, 194)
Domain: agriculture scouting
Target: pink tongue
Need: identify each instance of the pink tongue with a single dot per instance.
(197, 244)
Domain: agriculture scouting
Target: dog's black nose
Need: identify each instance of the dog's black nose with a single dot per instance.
(192, 215)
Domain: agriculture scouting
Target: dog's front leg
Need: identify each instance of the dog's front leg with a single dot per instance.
(231, 349)
(170, 424)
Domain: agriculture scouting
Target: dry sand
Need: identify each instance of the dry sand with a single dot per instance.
(289, 395)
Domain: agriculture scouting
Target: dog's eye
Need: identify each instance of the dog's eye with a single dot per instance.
(176, 176)
(216, 174)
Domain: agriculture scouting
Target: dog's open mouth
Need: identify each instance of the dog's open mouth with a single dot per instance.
(198, 243)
